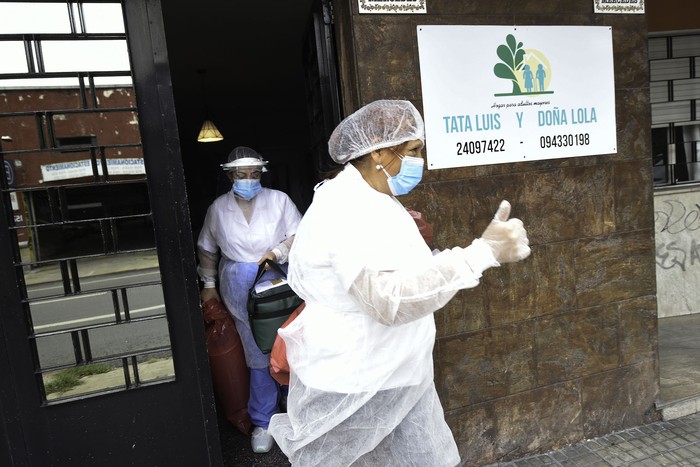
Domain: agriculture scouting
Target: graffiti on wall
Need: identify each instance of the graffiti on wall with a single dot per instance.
(676, 243)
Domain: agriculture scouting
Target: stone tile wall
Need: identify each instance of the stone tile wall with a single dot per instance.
(562, 346)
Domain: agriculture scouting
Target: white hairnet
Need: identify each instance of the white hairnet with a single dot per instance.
(379, 124)
(243, 156)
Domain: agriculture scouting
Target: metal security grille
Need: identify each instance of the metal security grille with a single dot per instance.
(77, 203)
(674, 64)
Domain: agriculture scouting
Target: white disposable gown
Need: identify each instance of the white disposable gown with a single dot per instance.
(242, 243)
(361, 389)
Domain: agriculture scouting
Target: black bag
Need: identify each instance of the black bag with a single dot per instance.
(270, 308)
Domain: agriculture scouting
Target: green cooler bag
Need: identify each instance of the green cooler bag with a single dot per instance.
(270, 306)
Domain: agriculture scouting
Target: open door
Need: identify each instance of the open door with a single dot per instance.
(97, 270)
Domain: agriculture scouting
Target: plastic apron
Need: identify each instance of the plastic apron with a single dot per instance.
(235, 279)
(361, 393)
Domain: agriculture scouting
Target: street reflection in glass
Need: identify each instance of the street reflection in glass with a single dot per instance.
(81, 222)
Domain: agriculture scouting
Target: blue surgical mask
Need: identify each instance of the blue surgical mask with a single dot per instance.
(246, 188)
(409, 175)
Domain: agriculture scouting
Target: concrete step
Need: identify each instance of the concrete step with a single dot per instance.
(679, 408)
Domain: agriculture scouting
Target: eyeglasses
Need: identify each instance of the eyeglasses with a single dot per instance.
(241, 175)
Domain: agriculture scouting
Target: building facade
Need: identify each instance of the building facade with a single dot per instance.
(544, 353)
(562, 347)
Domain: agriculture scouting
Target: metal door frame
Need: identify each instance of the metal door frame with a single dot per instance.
(170, 423)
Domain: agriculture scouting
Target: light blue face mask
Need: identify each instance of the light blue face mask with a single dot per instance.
(409, 175)
(246, 188)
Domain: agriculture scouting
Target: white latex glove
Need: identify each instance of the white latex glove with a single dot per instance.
(506, 237)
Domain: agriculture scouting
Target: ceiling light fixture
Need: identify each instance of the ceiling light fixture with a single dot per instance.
(209, 133)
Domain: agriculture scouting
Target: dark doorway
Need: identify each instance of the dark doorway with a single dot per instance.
(254, 88)
(265, 74)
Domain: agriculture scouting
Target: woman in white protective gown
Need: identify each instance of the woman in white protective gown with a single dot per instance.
(360, 354)
(242, 229)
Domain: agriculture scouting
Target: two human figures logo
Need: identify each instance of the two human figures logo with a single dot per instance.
(528, 70)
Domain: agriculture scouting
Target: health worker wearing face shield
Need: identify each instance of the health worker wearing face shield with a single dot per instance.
(361, 389)
(242, 228)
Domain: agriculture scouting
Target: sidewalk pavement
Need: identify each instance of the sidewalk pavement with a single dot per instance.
(664, 443)
(673, 443)
(88, 267)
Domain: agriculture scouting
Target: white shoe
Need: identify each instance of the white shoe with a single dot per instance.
(261, 440)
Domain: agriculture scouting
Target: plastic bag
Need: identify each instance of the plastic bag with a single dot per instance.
(229, 372)
(279, 367)
(425, 228)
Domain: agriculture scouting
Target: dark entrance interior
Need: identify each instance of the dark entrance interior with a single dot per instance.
(263, 72)
(247, 63)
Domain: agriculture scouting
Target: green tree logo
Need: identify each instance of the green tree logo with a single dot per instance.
(528, 70)
(511, 54)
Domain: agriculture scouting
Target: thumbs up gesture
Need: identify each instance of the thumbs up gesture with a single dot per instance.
(506, 237)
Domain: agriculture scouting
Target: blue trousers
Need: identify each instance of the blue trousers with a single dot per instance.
(264, 397)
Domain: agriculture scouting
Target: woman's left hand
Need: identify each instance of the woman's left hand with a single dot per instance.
(269, 255)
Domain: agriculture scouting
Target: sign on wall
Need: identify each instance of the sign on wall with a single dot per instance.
(392, 6)
(9, 173)
(501, 94)
(618, 6)
(83, 168)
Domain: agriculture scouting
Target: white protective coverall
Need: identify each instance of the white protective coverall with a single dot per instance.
(361, 389)
(274, 218)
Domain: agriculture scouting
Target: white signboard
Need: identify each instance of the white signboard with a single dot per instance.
(83, 168)
(500, 94)
(618, 6)
(392, 6)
